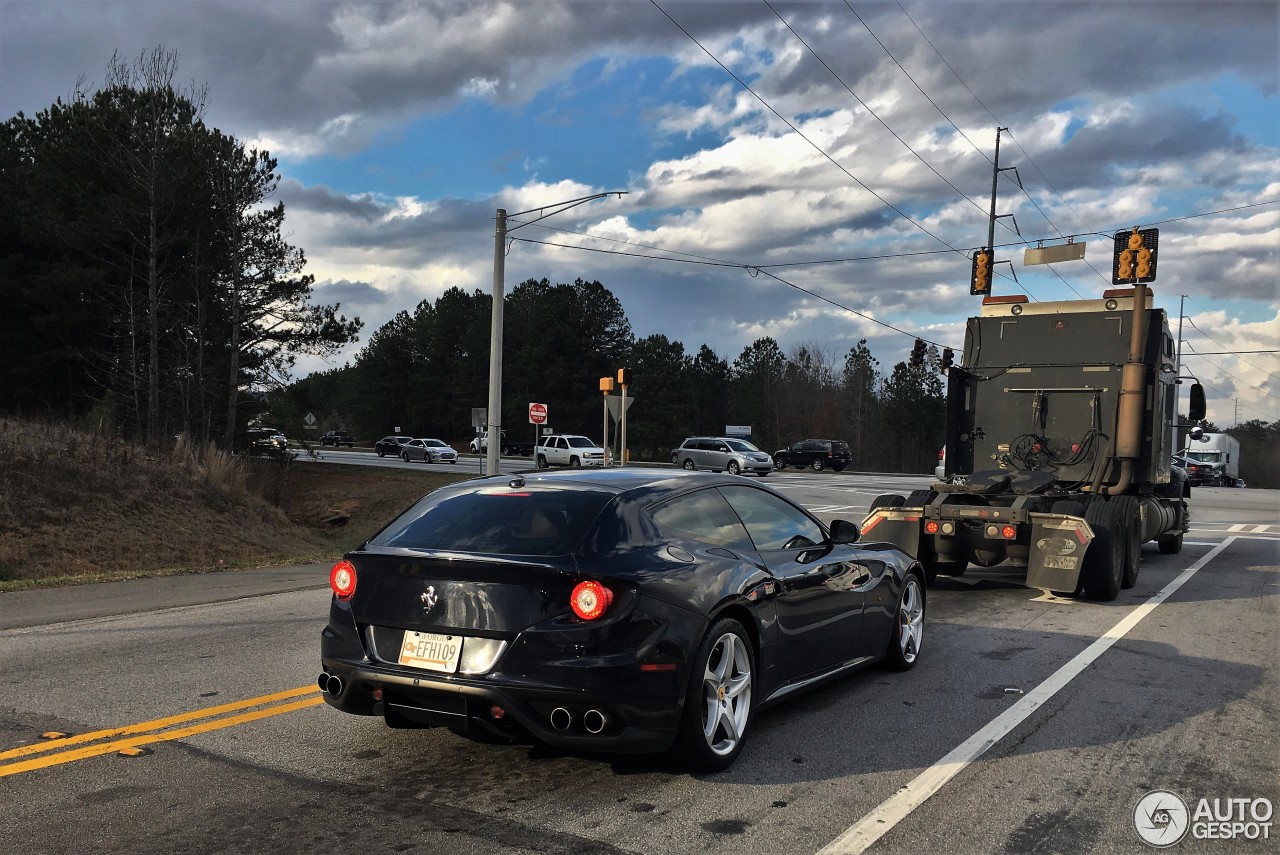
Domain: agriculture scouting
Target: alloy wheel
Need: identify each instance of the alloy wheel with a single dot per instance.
(910, 620)
(726, 684)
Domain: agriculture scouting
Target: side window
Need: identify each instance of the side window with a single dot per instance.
(772, 522)
(720, 446)
(704, 515)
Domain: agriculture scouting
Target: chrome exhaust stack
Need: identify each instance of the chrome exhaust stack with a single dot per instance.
(594, 721)
(561, 719)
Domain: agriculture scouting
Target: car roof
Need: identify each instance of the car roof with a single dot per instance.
(621, 480)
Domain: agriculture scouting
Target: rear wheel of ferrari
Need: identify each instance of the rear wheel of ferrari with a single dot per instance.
(717, 705)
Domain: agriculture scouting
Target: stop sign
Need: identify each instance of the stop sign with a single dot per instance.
(537, 414)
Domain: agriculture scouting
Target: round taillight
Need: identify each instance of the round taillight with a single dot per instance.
(342, 579)
(590, 599)
(931, 527)
(1008, 532)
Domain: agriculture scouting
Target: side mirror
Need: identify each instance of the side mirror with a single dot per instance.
(843, 531)
(1197, 406)
(1196, 432)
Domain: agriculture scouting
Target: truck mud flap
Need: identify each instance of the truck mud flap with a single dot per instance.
(1058, 545)
(899, 526)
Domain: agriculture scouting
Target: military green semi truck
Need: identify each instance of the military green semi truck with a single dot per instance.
(1058, 448)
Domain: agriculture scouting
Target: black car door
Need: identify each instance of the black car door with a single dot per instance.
(819, 598)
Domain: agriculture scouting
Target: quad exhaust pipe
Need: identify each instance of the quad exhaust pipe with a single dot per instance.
(594, 721)
(329, 684)
(561, 719)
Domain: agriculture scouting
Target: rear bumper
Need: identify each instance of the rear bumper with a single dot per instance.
(631, 725)
(632, 672)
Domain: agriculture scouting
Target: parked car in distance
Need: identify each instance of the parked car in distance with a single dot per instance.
(698, 599)
(567, 449)
(337, 438)
(721, 454)
(262, 441)
(480, 442)
(817, 454)
(390, 445)
(428, 451)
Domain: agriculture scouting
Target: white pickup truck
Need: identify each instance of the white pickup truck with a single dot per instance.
(567, 450)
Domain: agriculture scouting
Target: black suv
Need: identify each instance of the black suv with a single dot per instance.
(817, 454)
(337, 438)
(391, 445)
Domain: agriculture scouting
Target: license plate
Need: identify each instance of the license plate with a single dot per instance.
(430, 651)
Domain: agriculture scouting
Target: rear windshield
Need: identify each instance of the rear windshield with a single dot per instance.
(499, 520)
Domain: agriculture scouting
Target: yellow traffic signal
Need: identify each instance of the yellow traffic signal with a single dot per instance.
(980, 276)
(1135, 256)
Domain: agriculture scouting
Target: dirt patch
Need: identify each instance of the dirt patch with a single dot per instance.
(78, 507)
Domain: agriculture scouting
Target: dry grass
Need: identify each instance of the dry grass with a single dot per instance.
(79, 506)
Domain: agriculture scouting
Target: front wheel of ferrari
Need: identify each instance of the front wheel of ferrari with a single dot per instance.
(908, 627)
(717, 706)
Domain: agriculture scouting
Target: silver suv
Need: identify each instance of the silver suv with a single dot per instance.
(720, 453)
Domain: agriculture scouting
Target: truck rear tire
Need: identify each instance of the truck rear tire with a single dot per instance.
(1127, 509)
(887, 500)
(919, 498)
(1103, 569)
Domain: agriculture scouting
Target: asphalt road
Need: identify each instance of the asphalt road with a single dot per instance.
(1054, 718)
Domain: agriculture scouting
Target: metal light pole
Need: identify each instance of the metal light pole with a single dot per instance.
(493, 452)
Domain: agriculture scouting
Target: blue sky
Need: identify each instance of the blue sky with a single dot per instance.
(401, 127)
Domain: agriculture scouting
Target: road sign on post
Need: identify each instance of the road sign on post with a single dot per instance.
(537, 414)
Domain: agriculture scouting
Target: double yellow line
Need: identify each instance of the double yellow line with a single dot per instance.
(131, 737)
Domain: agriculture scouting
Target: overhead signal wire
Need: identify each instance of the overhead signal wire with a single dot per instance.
(944, 115)
(819, 148)
(1220, 344)
(869, 109)
(1025, 154)
(751, 270)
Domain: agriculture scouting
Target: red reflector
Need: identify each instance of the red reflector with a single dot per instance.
(1080, 535)
(658, 666)
(1008, 532)
(590, 599)
(1075, 448)
(931, 527)
(377, 694)
(496, 711)
(342, 579)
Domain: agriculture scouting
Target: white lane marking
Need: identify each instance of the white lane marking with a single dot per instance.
(866, 831)
(1261, 529)
(1237, 527)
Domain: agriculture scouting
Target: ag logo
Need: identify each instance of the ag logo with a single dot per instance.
(429, 599)
(1161, 818)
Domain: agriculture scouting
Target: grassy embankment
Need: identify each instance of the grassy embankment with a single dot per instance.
(77, 507)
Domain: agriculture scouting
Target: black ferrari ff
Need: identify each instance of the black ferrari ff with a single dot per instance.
(624, 610)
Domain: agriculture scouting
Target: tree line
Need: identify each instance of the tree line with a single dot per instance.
(146, 280)
(424, 371)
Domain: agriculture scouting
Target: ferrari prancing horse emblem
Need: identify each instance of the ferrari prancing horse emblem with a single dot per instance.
(429, 598)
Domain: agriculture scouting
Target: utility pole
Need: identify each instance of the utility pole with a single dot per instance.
(1177, 376)
(995, 175)
(495, 328)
